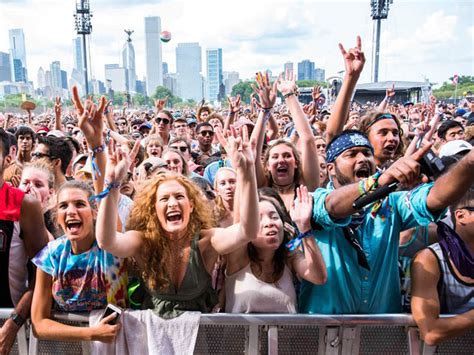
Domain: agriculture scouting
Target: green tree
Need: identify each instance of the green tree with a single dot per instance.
(139, 100)
(161, 92)
(243, 89)
(311, 83)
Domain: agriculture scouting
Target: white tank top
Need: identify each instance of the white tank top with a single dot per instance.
(245, 293)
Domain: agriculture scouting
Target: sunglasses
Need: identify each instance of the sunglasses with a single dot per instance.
(211, 195)
(207, 133)
(164, 120)
(39, 155)
(181, 148)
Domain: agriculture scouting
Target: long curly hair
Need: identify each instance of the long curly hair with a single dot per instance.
(156, 248)
(296, 154)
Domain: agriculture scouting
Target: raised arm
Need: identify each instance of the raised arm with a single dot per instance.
(119, 244)
(309, 264)
(227, 240)
(354, 61)
(267, 95)
(57, 113)
(309, 154)
(405, 170)
(91, 124)
(234, 108)
(425, 304)
(388, 94)
(444, 192)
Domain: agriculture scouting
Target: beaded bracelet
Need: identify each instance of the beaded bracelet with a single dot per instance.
(108, 187)
(370, 183)
(296, 242)
(95, 168)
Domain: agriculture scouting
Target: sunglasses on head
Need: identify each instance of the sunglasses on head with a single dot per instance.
(469, 208)
(207, 133)
(211, 195)
(164, 120)
(183, 149)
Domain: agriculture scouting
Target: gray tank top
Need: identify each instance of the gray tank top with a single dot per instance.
(456, 296)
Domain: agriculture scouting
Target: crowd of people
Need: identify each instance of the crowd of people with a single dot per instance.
(244, 209)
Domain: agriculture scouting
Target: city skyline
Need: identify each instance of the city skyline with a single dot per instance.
(430, 40)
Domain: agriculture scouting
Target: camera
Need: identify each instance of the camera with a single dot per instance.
(431, 165)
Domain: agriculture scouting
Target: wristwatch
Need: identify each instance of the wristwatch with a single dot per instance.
(19, 320)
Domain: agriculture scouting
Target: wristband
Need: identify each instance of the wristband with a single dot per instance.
(108, 187)
(296, 242)
(95, 168)
(17, 319)
(287, 95)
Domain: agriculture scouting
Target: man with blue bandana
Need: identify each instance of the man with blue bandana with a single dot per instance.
(360, 248)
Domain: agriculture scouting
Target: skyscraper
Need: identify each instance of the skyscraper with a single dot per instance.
(188, 70)
(214, 72)
(5, 67)
(231, 78)
(63, 79)
(41, 78)
(288, 68)
(319, 74)
(56, 81)
(78, 54)
(18, 55)
(306, 70)
(154, 70)
(128, 60)
(117, 77)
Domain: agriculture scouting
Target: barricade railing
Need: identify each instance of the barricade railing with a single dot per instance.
(279, 334)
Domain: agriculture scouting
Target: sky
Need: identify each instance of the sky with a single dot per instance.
(421, 39)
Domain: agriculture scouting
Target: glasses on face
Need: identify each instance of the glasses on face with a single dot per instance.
(183, 149)
(207, 133)
(164, 120)
(39, 155)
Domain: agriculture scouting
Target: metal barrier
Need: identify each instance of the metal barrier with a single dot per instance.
(282, 334)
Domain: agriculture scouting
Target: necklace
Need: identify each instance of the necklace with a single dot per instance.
(284, 188)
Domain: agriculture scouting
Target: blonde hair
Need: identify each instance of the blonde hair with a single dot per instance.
(45, 167)
(143, 217)
(220, 211)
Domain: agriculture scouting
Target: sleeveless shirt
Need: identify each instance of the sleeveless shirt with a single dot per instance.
(194, 294)
(455, 295)
(245, 293)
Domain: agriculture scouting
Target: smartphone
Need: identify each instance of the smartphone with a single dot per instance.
(112, 309)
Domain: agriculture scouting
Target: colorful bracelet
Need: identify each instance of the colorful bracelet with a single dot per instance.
(296, 242)
(95, 168)
(370, 183)
(108, 187)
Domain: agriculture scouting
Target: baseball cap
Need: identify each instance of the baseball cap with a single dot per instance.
(145, 125)
(454, 147)
(191, 120)
(42, 130)
(459, 112)
(407, 103)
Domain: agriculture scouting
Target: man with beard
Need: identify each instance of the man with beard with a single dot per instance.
(360, 248)
(205, 134)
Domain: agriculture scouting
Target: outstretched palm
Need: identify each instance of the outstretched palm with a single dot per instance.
(238, 148)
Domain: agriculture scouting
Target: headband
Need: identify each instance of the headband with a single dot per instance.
(344, 142)
(383, 116)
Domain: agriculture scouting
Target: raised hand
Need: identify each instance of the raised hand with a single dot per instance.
(90, 117)
(302, 209)
(354, 59)
(266, 93)
(57, 106)
(316, 92)
(390, 91)
(405, 170)
(161, 103)
(234, 104)
(287, 84)
(239, 148)
(119, 162)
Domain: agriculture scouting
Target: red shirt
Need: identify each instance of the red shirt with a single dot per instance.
(10, 202)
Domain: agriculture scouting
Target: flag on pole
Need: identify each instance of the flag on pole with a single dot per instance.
(455, 79)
